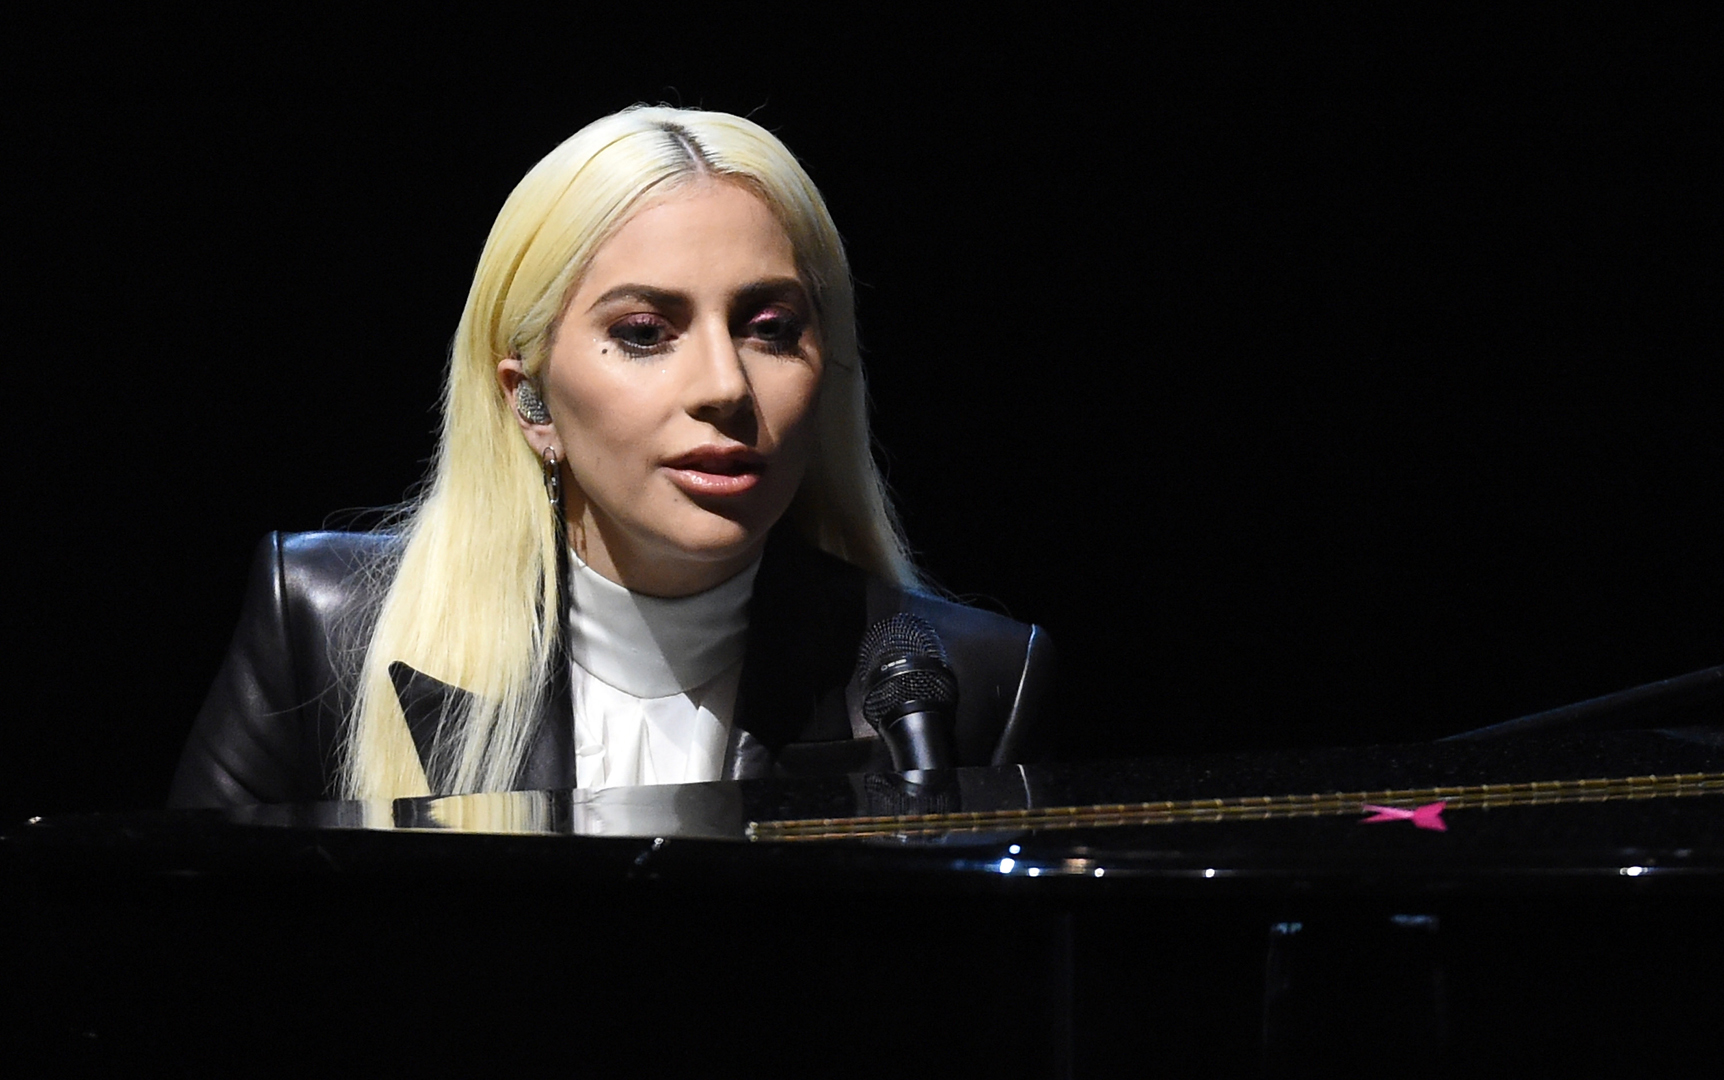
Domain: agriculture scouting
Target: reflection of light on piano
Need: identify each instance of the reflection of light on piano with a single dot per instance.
(1064, 867)
(1632, 871)
(1396, 801)
(1415, 922)
(1209, 872)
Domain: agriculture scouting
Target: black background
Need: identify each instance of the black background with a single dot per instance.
(1336, 378)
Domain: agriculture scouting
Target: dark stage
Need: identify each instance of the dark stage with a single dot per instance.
(1334, 379)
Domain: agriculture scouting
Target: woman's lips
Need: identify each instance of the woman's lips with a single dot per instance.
(716, 471)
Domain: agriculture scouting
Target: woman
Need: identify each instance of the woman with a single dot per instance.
(654, 533)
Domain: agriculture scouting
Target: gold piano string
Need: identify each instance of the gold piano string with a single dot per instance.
(1246, 808)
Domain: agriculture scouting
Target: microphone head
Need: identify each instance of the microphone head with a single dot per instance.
(902, 669)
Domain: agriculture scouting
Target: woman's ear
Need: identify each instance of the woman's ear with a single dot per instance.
(525, 398)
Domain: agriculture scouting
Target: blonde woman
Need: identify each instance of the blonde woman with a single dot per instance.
(654, 533)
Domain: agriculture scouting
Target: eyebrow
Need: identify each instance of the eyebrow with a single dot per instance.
(644, 293)
(649, 294)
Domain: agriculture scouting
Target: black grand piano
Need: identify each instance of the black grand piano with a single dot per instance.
(1552, 902)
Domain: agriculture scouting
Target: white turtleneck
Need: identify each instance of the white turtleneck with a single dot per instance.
(653, 679)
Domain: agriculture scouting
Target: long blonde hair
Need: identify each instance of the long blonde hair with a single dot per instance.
(472, 592)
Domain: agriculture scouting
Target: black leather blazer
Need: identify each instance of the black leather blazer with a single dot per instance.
(272, 724)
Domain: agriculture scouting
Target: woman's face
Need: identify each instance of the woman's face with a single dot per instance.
(681, 383)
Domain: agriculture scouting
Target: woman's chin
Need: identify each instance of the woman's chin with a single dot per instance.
(724, 530)
(700, 554)
(735, 548)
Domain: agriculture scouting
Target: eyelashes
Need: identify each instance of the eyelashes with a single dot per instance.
(778, 331)
(641, 335)
(773, 330)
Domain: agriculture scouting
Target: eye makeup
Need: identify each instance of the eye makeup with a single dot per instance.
(641, 334)
(777, 331)
(763, 317)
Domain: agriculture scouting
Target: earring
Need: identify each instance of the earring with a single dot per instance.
(559, 522)
(529, 404)
(559, 512)
(553, 481)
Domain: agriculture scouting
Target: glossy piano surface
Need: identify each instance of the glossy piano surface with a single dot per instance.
(1214, 916)
(1557, 811)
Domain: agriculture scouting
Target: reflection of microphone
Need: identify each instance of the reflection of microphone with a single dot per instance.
(909, 693)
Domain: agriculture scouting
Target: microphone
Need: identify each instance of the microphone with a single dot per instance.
(909, 693)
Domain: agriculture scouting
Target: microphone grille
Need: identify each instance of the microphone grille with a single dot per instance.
(902, 663)
(900, 634)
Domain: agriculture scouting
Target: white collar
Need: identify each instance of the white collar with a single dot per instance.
(650, 646)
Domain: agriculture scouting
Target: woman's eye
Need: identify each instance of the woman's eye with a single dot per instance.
(778, 329)
(641, 334)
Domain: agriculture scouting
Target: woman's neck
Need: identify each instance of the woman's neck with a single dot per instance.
(652, 646)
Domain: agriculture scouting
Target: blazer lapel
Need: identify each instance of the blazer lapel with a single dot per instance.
(424, 702)
(804, 620)
(550, 760)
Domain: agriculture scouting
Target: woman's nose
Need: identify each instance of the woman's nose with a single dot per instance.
(718, 386)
